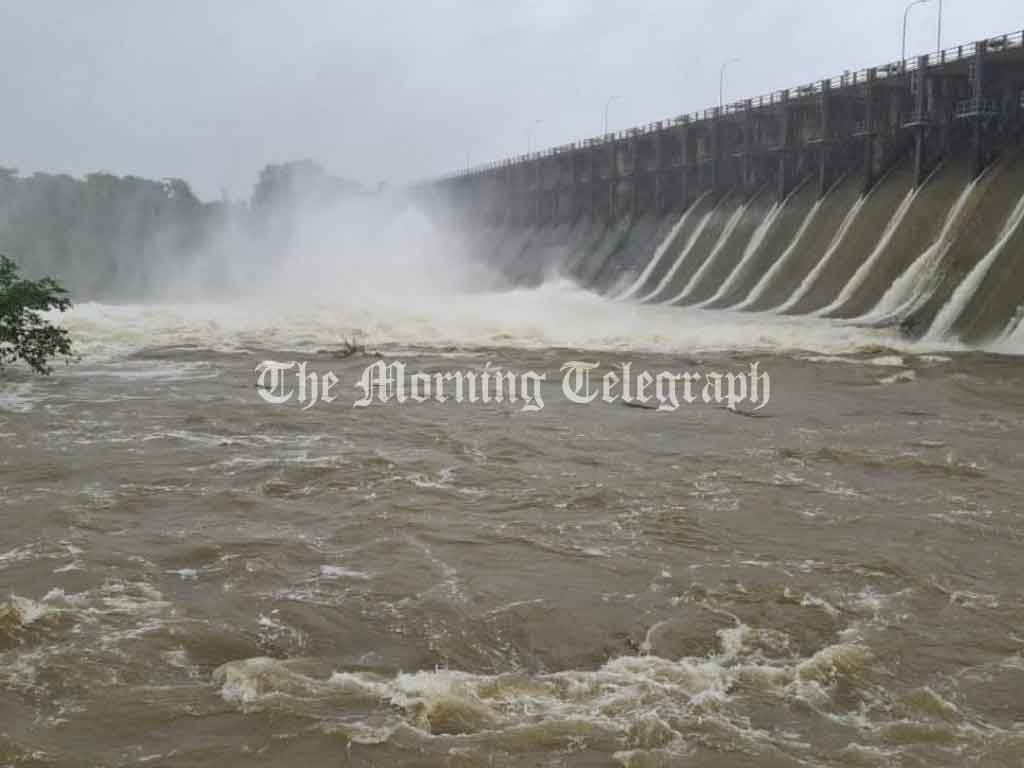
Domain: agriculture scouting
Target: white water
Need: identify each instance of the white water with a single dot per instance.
(1012, 339)
(661, 251)
(730, 227)
(694, 237)
(908, 291)
(635, 696)
(555, 316)
(812, 277)
(964, 292)
(871, 262)
(783, 260)
(753, 247)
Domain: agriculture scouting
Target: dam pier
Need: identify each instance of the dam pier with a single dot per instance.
(889, 196)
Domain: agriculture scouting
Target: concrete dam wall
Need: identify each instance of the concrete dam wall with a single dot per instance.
(889, 196)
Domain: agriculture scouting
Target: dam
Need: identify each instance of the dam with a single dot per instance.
(889, 196)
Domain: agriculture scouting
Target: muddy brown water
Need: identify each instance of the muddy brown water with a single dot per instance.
(191, 576)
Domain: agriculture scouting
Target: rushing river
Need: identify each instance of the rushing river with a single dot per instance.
(192, 576)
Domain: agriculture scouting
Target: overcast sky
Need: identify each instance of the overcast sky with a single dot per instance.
(212, 90)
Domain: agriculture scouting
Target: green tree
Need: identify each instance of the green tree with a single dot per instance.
(24, 333)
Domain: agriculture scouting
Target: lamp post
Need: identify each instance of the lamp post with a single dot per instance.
(721, 84)
(938, 39)
(529, 137)
(606, 106)
(906, 15)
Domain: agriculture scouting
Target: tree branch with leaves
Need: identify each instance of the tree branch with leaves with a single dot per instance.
(25, 334)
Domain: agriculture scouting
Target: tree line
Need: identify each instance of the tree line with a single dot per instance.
(111, 237)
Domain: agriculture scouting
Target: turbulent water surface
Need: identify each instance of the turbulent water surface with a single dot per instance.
(192, 576)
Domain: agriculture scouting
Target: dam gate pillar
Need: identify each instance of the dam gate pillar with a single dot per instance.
(656, 162)
(782, 148)
(825, 138)
(919, 119)
(685, 164)
(867, 129)
(975, 108)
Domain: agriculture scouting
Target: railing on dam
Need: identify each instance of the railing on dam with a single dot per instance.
(897, 69)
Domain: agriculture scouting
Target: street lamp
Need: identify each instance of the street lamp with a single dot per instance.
(938, 44)
(529, 137)
(606, 106)
(721, 83)
(906, 14)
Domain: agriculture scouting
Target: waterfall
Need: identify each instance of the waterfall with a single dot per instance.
(730, 227)
(964, 292)
(812, 277)
(661, 251)
(869, 264)
(908, 288)
(751, 250)
(694, 237)
(779, 265)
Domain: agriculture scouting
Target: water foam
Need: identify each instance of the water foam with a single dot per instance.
(19, 398)
(555, 315)
(20, 612)
(616, 696)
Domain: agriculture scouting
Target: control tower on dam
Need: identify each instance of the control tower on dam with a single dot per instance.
(967, 101)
